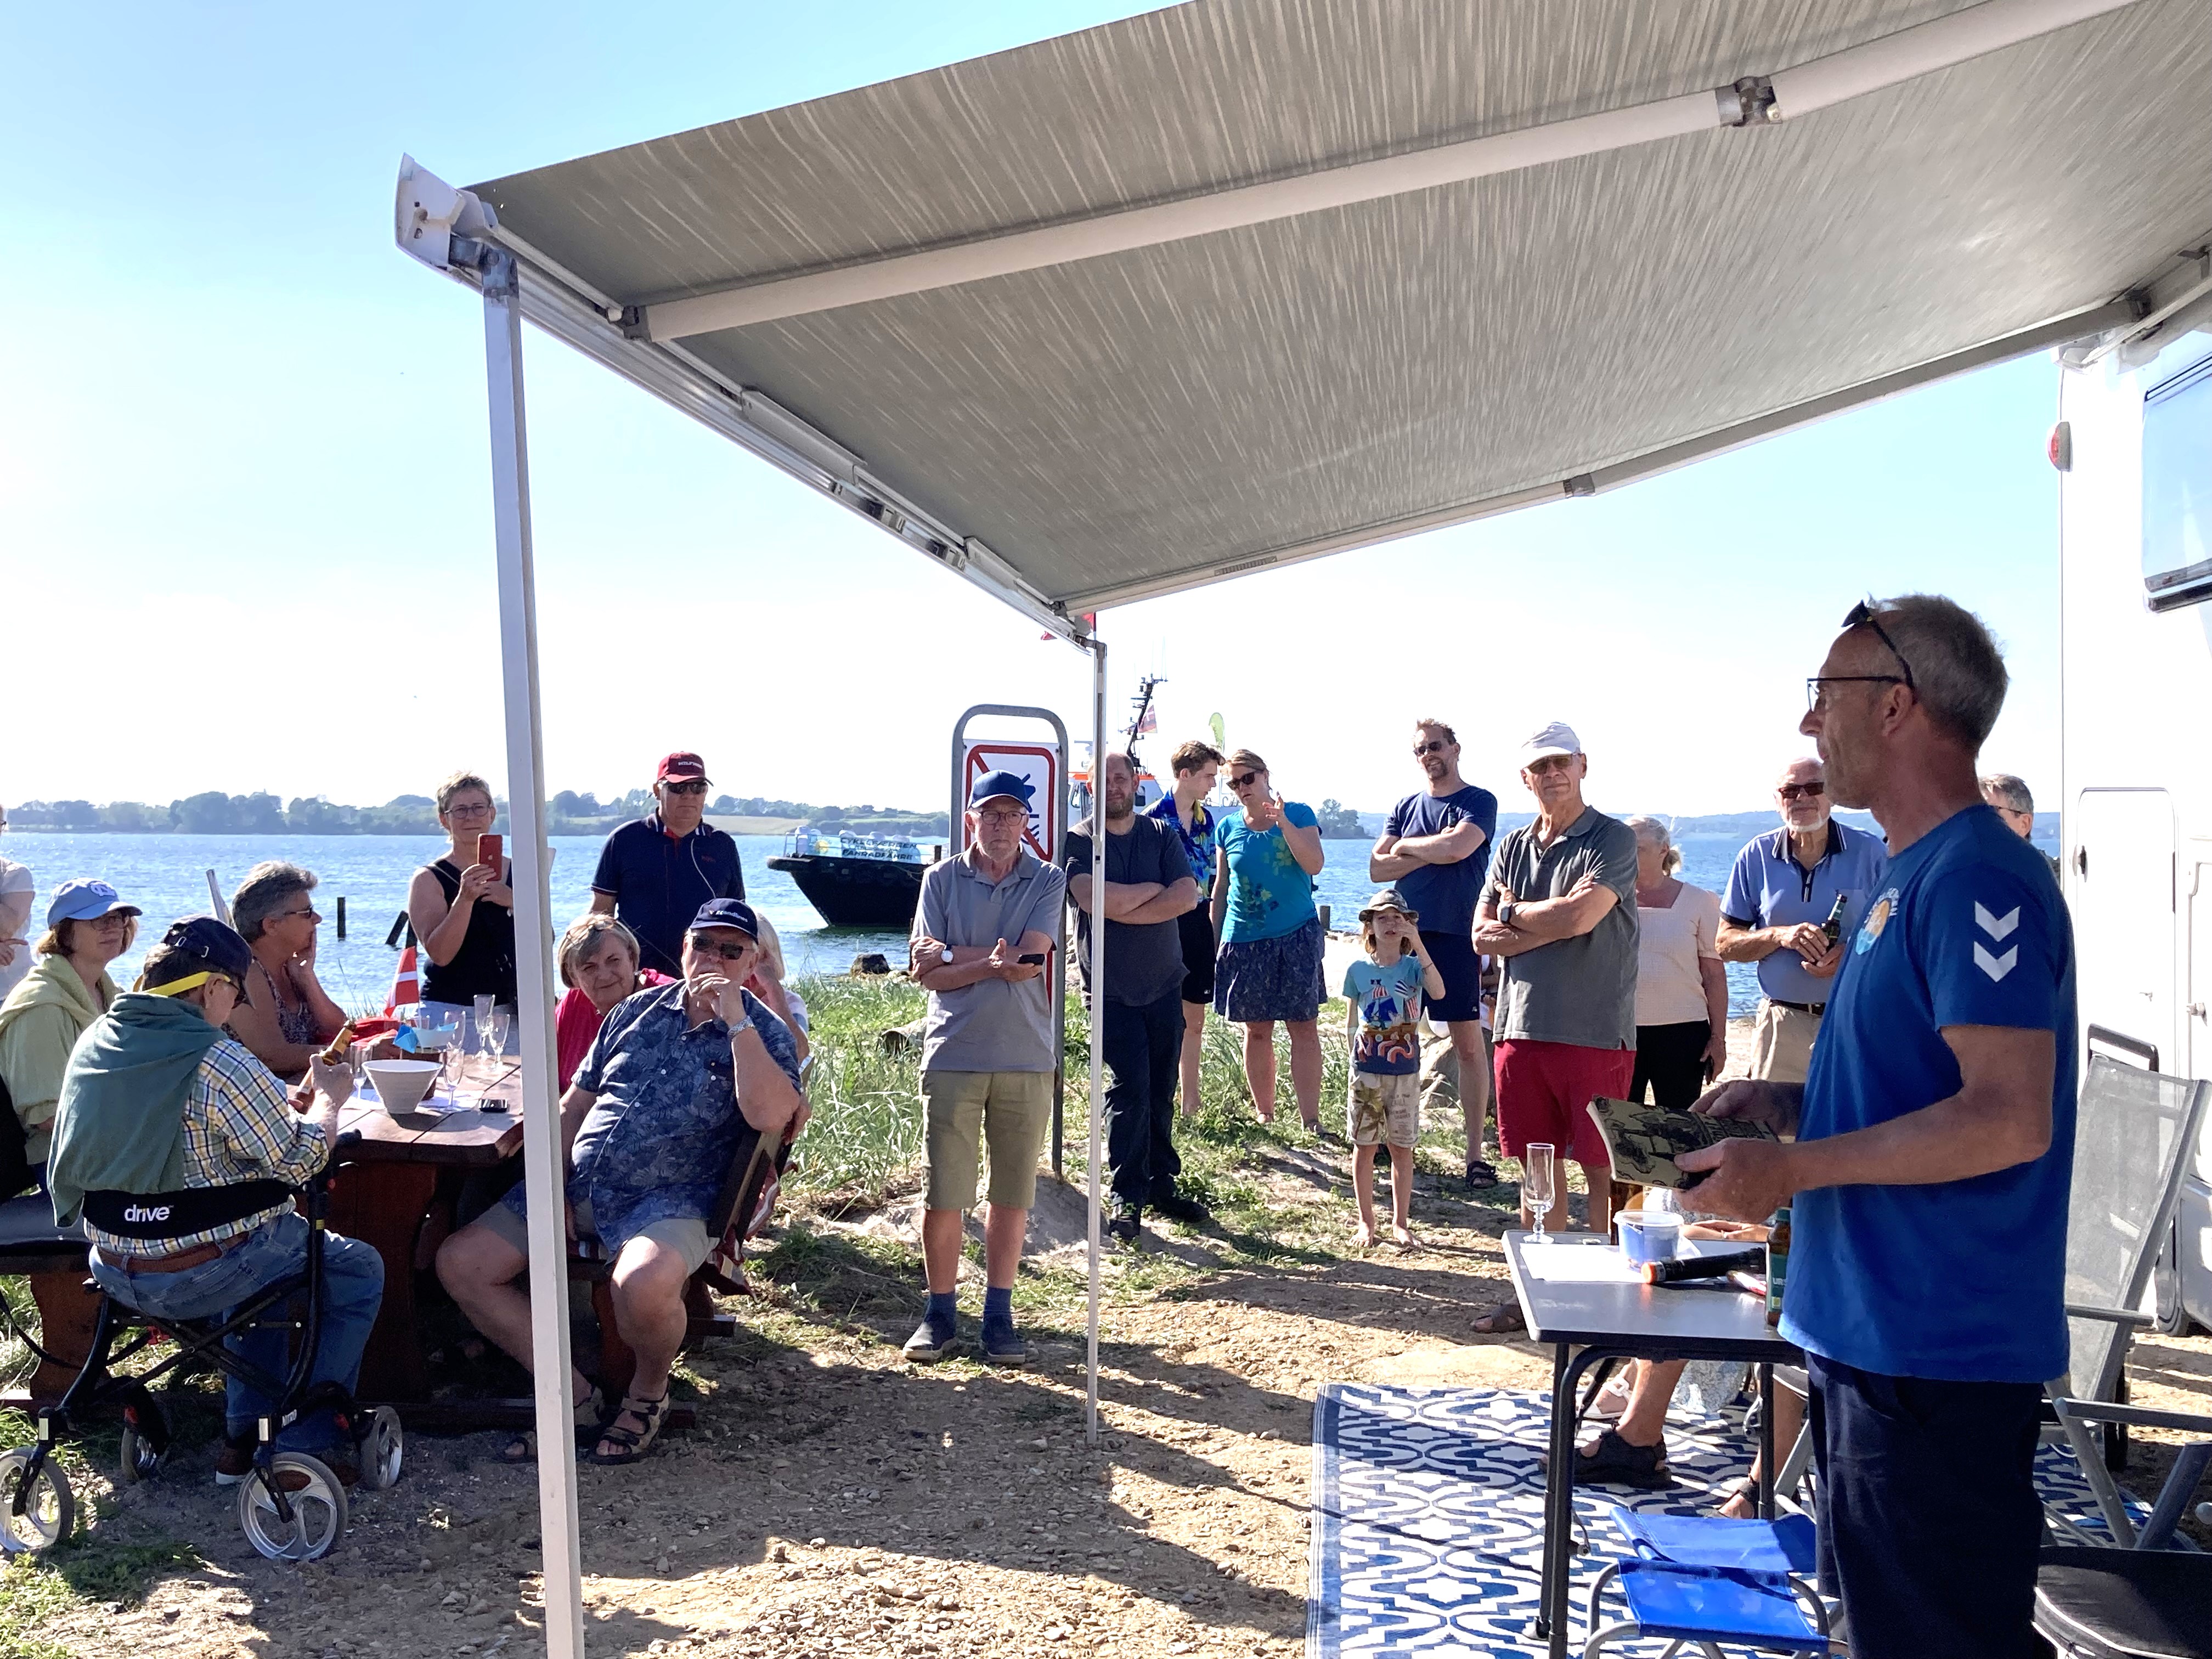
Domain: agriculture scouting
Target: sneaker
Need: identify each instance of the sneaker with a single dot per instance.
(233, 1462)
(1124, 1224)
(1176, 1207)
(1003, 1345)
(927, 1344)
(1481, 1174)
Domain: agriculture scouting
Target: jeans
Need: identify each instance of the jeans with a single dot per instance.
(1144, 1054)
(1927, 1515)
(353, 1289)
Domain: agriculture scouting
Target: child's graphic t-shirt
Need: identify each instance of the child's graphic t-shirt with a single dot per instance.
(1389, 1001)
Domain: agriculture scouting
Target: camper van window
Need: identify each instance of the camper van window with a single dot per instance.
(2176, 490)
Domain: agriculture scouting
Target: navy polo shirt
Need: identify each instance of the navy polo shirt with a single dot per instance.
(659, 881)
(1768, 888)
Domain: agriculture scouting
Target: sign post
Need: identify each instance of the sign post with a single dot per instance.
(1043, 766)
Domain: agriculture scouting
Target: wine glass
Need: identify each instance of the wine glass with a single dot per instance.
(495, 1026)
(1538, 1188)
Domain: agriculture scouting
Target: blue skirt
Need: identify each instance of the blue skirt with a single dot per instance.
(1278, 978)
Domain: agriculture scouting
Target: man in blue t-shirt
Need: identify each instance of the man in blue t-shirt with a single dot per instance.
(655, 871)
(1435, 849)
(1929, 1176)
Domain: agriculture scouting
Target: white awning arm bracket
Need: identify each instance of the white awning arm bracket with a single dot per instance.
(1749, 101)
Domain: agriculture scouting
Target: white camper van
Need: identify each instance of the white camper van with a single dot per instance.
(2134, 448)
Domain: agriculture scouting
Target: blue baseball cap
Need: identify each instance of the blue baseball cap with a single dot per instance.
(728, 913)
(204, 940)
(86, 900)
(991, 785)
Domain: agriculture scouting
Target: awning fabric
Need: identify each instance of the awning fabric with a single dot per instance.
(1155, 419)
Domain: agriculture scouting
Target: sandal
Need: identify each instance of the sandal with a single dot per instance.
(1743, 1488)
(1609, 1461)
(591, 1411)
(1500, 1320)
(632, 1444)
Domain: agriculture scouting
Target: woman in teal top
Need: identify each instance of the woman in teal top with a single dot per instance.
(1270, 965)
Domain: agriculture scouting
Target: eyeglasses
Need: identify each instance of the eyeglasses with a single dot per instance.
(1433, 746)
(1550, 763)
(237, 986)
(1862, 616)
(727, 952)
(286, 915)
(1791, 791)
(1245, 780)
(685, 788)
(481, 809)
(1007, 815)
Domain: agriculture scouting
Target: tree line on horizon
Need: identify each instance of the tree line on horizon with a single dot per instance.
(568, 813)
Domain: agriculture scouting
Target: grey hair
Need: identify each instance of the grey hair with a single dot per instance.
(1671, 856)
(1958, 669)
(263, 893)
(2010, 792)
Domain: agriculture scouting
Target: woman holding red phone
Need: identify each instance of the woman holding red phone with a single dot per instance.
(463, 909)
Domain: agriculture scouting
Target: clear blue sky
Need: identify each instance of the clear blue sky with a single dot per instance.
(243, 449)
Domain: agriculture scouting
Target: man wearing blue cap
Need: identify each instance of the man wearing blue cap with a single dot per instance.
(652, 1124)
(159, 1100)
(983, 931)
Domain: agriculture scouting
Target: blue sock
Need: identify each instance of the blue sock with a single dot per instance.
(998, 1305)
(944, 1314)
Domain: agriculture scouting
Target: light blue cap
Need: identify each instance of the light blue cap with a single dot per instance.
(86, 900)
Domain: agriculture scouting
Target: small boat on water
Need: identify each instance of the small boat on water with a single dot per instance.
(857, 881)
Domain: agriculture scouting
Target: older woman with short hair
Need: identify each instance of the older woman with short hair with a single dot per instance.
(87, 926)
(599, 963)
(1270, 964)
(1681, 989)
(287, 1015)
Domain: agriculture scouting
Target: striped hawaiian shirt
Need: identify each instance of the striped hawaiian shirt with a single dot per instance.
(237, 1128)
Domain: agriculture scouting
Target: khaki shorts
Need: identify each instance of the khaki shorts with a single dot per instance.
(1784, 1037)
(685, 1236)
(963, 1112)
(1384, 1109)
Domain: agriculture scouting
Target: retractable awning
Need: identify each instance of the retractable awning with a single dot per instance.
(1228, 286)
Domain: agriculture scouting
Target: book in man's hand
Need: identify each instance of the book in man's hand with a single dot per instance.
(1645, 1140)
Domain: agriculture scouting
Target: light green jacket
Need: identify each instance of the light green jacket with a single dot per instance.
(40, 1024)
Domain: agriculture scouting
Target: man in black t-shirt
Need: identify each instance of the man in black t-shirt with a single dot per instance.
(1148, 885)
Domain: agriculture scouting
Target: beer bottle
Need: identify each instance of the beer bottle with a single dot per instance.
(1777, 1262)
(1834, 926)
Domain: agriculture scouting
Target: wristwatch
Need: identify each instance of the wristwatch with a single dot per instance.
(945, 955)
(744, 1025)
(1505, 914)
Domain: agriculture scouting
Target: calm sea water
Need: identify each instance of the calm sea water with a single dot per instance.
(165, 875)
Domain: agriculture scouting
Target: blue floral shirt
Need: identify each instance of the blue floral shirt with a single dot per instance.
(658, 1142)
(1197, 839)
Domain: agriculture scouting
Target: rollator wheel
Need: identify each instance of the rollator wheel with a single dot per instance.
(383, 1449)
(317, 1502)
(47, 1517)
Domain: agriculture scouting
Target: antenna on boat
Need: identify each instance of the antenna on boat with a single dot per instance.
(1145, 719)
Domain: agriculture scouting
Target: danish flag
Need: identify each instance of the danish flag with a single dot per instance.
(406, 983)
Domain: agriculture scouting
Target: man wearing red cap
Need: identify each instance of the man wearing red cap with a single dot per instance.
(655, 874)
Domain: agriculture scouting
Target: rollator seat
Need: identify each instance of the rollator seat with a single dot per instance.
(2106, 1603)
(29, 1240)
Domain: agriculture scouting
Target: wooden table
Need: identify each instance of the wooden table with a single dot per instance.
(1638, 1322)
(387, 1195)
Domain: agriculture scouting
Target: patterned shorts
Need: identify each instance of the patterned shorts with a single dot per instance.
(1385, 1108)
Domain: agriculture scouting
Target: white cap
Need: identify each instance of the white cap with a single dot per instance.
(1557, 739)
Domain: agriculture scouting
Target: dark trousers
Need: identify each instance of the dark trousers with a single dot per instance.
(1143, 1052)
(1671, 1059)
(1927, 1516)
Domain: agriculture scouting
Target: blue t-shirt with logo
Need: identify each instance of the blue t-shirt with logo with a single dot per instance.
(1959, 1281)
(1269, 893)
(1446, 894)
(1388, 998)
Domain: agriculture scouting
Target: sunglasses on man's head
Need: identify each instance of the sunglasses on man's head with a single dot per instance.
(1862, 616)
(1791, 791)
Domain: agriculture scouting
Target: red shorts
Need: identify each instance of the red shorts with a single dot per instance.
(1542, 1088)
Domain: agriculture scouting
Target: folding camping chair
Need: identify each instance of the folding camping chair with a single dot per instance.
(2135, 1131)
(1698, 1580)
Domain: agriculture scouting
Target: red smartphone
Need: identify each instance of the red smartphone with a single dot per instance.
(488, 853)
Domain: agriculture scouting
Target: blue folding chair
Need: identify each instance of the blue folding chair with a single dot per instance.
(1696, 1581)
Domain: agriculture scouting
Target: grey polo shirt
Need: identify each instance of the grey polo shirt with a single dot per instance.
(995, 1024)
(1580, 990)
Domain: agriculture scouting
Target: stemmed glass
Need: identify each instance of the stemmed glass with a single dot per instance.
(494, 1027)
(1538, 1191)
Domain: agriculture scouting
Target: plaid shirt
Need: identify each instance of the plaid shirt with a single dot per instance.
(237, 1128)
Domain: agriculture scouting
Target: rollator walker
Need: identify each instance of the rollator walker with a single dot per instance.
(291, 1505)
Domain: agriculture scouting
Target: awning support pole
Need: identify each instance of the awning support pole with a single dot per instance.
(1097, 980)
(533, 936)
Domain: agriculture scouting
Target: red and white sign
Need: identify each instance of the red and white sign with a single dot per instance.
(1037, 764)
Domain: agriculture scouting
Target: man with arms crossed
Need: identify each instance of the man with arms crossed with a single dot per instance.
(1435, 849)
(1149, 888)
(1784, 886)
(1930, 1176)
(1561, 910)
(985, 925)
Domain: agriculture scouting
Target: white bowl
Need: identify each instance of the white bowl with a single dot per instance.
(401, 1084)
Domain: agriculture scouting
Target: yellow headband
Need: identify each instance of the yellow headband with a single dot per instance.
(179, 986)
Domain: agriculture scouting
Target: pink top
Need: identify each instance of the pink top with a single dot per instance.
(576, 1022)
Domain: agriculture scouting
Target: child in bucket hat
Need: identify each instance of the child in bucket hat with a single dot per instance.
(1385, 1107)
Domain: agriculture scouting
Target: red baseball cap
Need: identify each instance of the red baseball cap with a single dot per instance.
(682, 764)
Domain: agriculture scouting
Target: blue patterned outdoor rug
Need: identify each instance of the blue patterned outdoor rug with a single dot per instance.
(1429, 1515)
